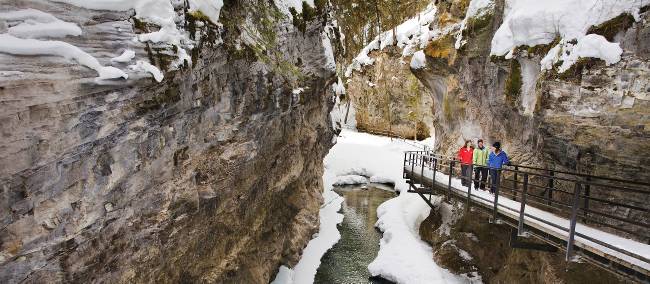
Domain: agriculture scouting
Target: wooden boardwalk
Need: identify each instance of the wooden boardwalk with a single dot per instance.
(568, 211)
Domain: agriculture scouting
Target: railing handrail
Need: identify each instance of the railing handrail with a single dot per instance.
(579, 196)
(511, 165)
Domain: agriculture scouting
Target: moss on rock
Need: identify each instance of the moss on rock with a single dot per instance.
(442, 47)
(540, 49)
(614, 26)
(574, 73)
(513, 84)
(475, 25)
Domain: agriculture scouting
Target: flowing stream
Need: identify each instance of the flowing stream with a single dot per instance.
(347, 261)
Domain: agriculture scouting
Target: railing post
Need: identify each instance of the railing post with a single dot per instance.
(451, 173)
(496, 195)
(435, 165)
(587, 195)
(469, 186)
(572, 226)
(551, 184)
(404, 166)
(412, 164)
(514, 186)
(422, 172)
(520, 228)
(433, 178)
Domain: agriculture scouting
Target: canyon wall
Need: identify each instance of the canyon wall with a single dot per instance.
(472, 94)
(593, 118)
(388, 97)
(510, 100)
(212, 175)
(385, 97)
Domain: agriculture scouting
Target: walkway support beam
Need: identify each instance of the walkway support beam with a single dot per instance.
(514, 185)
(451, 173)
(572, 226)
(520, 226)
(551, 184)
(469, 186)
(497, 179)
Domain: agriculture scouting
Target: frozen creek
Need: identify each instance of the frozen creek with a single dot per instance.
(347, 261)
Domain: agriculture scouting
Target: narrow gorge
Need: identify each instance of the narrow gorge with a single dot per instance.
(250, 141)
(212, 174)
(510, 71)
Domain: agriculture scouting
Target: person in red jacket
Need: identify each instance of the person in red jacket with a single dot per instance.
(465, 155)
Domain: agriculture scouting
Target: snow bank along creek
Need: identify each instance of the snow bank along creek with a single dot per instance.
(347, 261)
(395, 251)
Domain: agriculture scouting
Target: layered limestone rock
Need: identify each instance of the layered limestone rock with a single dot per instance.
(387, 97)
(212, 175)
(511, 101)
(593, 118)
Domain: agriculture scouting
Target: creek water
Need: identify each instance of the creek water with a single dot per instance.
(347, 261)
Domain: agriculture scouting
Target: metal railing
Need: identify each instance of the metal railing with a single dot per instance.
(614, 205)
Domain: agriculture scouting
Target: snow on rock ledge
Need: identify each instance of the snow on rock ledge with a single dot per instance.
(143, 66)
(161, 13)
(210, 8)
(126, 56)
(591, 45)
(32, 23)
(17, 46)
(533, 22)
(412, 34)
(477, 8)
(27, 24)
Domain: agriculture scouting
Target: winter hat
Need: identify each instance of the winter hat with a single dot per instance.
(497, 145)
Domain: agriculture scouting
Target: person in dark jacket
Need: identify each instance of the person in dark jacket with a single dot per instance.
(465, 155)
(497, 159)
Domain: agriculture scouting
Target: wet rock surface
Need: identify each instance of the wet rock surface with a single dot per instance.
(212, 175)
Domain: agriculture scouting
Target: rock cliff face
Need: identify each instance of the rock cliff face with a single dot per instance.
(212, 175)
(477, 95)
(593, 118)
(510, 101)
(387, 97)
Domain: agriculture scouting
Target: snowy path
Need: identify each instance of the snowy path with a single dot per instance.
(511, 207)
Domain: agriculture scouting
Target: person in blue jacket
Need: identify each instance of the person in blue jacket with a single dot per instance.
(496, 160)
